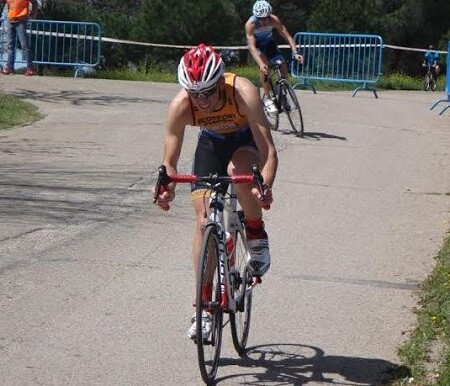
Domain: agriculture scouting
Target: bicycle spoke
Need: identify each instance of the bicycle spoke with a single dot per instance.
(207, 301)
(242, 293)
(291, 107)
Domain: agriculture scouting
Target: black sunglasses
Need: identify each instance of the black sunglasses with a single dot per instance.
(205, 93)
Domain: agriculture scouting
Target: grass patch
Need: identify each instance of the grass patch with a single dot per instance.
(427, 352)
(151, 76)
(16, 112)
(394, 81)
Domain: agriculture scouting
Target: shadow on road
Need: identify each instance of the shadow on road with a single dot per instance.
(316, 136)
(296, 364)
(77, 97)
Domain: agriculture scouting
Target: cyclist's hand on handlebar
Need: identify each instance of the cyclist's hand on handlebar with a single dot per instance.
(264, 69)
(264, 199)
(299, 58)
(165, 195)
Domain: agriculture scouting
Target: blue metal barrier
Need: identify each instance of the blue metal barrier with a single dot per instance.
(447, 85)
(338, 58)
(60, 43)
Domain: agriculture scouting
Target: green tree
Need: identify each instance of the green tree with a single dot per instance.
(340, 16)
(414, 23)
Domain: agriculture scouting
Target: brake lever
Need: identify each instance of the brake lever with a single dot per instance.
(259, 182)
(163, 181)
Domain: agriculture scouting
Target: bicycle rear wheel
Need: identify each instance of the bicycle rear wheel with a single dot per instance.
(433, 83)
(241, 291)
(291, 107)
(208, 300)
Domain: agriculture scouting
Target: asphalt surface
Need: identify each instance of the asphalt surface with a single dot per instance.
(96, 283)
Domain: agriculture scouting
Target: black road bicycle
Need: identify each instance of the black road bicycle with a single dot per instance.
(224, 284)
(286, 101)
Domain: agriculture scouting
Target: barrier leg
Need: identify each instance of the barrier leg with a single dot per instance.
(365, 88)
(304, 84)
(442, 112)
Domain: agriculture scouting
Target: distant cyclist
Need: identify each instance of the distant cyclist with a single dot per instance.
(431, 60)
(259, 30)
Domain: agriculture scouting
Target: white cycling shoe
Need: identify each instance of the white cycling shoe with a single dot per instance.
(206, 326)
(259, 259)
(269, 106)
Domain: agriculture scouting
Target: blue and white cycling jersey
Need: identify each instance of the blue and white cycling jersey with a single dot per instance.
(263, 34)
(431, 57)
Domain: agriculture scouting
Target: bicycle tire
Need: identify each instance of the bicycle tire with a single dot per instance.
(433, 84)
(426, 83)
(291, 107)
(208, 350)
(240, 279)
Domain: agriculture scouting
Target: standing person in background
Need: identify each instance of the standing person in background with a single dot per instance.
(263, 47)
(431, 59)
(19, 14)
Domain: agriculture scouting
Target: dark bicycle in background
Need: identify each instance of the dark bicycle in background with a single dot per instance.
(430, 80)
(285, 99)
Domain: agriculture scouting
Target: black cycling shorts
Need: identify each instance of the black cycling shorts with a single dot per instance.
(214, 152)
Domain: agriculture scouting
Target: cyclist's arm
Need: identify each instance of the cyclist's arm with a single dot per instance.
(282, 30)
(249, 102)
(178, 116)
(251, 41)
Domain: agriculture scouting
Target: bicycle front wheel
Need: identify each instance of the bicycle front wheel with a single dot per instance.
(291, 107)
(240, 284)
(427, 83)
(209, 339)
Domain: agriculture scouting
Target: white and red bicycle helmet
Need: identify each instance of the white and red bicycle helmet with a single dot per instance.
(262, 9)
(200, 68)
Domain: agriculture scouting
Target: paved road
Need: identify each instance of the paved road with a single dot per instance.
(96, 283)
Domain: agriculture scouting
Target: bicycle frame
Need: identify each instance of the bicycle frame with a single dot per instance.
(219, 205)
(232, 292)
(216, 216)
(275, 90)
(285, 99)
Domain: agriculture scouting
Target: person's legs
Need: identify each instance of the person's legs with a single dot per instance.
(241, 163)
(24, 42)
(11, 45)
(263, 77)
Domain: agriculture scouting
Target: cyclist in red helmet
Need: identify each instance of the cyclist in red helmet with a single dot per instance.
(234, 135)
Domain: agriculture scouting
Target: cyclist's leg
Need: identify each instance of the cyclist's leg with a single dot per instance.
(242, 162)
(437, 70)
(262, 76)
(209, 158)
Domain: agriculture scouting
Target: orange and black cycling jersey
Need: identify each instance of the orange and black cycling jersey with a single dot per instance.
(227, 119)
